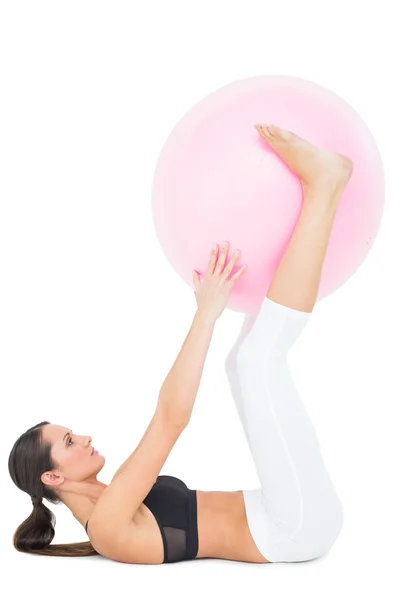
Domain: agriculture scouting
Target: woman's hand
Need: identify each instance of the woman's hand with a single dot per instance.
(212, 295)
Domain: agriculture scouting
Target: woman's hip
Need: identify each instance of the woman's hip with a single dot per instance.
(313, 537)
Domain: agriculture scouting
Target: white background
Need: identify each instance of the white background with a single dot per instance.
(92, 315)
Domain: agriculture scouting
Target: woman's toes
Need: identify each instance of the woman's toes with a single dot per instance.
(273, 130)
(262, 130)
(270, 133)
(284, 134)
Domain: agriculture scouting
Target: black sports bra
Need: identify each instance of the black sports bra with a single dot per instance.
(174, 507)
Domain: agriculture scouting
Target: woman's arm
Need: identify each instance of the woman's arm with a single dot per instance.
(179, 390)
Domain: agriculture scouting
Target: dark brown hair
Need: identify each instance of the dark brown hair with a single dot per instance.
(29, 458)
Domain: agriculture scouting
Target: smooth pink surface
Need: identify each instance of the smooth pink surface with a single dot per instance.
(216, 179)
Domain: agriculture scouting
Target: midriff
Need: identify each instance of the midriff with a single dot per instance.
(223, 530)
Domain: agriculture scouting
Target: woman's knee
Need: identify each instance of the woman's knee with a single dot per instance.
(270, 333)
(315, 539)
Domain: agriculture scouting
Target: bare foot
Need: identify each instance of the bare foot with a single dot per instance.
(311, 164)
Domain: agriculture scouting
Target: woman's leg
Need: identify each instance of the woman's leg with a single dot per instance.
(296, 514)
(324, 176)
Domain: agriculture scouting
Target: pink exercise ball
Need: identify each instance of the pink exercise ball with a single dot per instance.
(216, 179)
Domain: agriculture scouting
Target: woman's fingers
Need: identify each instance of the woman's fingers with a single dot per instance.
(219, 267)
(231, 264)
(221, 260)
(238, 274)
(212, 261)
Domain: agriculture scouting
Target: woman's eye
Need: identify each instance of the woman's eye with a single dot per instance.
(69, 440)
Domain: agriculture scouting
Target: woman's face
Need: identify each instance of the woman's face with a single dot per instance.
(72, 454)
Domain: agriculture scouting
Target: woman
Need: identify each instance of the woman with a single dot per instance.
(141, 517)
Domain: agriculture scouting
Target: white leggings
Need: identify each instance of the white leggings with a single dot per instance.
(296, 515)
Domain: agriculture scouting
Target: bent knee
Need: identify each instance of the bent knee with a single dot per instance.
(316, 538)
(311, 539)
